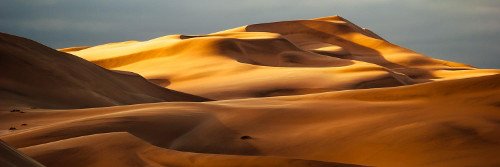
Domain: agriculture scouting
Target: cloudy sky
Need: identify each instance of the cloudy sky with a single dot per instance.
(467, 31)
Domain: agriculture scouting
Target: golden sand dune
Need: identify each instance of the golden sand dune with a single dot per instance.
(33, 75)
(280, 58)
(428, 124)
(352, 97)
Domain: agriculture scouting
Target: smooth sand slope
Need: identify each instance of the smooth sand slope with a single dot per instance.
(271, 59)
(430, 124)
(33, 75)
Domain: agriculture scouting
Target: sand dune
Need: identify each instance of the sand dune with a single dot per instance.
(421, 125)
(319, 92)
(237, 63)
(33, 75)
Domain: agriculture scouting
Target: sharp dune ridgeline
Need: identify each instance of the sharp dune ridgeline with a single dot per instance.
(319, 92)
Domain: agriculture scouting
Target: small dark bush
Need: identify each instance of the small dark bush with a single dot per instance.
(245, 137)
(12, 128)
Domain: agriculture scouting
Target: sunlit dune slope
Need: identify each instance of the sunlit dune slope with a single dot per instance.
(442, 123)
(33, 75)
(280, 58)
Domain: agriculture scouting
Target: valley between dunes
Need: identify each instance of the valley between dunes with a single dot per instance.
(319, 92)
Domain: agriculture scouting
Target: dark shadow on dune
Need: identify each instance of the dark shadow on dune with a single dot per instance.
(496, 104)
(464, 134)
(190, 36)
(11, 157)
(333, 54)
(302, 27)
(160, 82)
(290, 91)
(273, 52)
(379, 83)
(387, 81)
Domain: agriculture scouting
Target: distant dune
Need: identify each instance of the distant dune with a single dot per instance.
(319, 92)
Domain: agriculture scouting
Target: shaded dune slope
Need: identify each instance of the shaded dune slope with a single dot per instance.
(33, 75)
(10, 157)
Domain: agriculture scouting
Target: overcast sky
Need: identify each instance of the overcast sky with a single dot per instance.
(466, 31)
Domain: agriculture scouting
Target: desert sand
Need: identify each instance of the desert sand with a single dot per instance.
(319, 92)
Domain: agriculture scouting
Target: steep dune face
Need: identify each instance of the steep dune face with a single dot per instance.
(420, 125)
(272, 59)
(33, 75)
